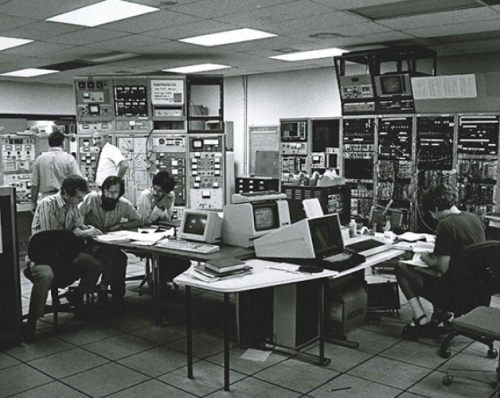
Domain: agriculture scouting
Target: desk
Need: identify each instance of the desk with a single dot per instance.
(261, 277)
(156, 252)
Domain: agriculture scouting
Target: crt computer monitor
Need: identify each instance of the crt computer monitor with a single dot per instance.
(244, 222)
(308, 238)
(201, 226)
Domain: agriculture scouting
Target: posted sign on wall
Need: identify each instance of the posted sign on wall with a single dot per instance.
(167, 92)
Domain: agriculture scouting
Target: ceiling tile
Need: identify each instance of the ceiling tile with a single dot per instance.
(151, 21)
(350, 4)
(455, 29)
(8, 22)
(42, 30)
(192, 29)
(318, 23)
(272, 42)
(41, 10)
(80, 52)
(441, 18)
(494, 34)
(127, 43)
(219, 8)
(161, 3)
(37, 49)
(86, 36)
(283, 12)
(5, 59)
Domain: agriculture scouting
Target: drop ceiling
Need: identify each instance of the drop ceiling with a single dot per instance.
(149, 43)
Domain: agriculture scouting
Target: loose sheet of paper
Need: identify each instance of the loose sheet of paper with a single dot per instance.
(416, 261)
(255, 355)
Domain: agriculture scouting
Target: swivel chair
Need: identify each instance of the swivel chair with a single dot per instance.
(55, 248)
(475, 278)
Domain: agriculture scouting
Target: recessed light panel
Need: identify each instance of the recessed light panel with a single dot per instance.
(197, 68)
(9, 42)
(104, 12)
(29, 72)
(305, 55)
(228, 37)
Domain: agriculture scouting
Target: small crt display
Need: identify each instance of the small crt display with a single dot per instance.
(265, 217)
(391, 85)
(195, 224)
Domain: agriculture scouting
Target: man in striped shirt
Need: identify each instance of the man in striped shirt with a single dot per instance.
(51, 168)
(60, 212)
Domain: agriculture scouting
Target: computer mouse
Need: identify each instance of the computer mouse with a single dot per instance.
(310, 269)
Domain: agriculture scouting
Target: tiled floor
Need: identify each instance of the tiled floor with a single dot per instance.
(125, 355)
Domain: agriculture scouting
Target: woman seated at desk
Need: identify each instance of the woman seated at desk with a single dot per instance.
(157, 204)
(455, 230)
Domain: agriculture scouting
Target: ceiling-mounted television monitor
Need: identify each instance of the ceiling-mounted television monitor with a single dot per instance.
(393, 85)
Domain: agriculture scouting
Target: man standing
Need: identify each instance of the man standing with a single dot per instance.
(60, 212)
(105, 211)
(51, 168)
(111, 161)
(155, 204)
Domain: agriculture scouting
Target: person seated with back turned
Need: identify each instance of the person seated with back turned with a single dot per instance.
(455, 230)
(105, 210)
(60, 212)
(157, 204)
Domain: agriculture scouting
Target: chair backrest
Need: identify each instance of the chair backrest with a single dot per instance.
(54, 247)
(475, 274)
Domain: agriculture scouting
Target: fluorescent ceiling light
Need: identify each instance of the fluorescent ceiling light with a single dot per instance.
(196, 68)
(228, 37)
(9, 42)
(29, 72)
(103, 12)
(316, 54)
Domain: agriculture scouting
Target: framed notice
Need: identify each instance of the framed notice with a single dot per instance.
(167, 92)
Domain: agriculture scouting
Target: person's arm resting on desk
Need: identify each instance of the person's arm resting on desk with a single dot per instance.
(130, 213)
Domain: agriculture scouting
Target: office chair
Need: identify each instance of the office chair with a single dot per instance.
(475, 278)
(483, 324)
(55, 248)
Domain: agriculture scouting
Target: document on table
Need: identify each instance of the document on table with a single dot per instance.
(144, 238)
(416, 261)
(413, 237)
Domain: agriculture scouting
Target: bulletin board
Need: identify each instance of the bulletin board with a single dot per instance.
(261, 138)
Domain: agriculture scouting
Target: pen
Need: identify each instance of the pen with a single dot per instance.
(284, 270)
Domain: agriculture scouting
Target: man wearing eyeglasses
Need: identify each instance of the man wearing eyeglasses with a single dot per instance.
(109, 211)
(155, 204)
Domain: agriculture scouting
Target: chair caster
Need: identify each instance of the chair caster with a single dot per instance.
(445, 353)
(492, 353)
(447, 380)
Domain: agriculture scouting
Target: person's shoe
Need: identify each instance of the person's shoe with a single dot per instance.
(413, 332)
(119, 304)
(442, 317)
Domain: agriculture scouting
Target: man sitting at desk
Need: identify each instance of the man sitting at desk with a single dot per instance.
(60, 212)
(157, 204)
(105, 211)
(455, 230)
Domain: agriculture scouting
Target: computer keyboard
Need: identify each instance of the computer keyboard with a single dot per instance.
(257, 196)
(365, 245)
(338, 257)
(184, 245)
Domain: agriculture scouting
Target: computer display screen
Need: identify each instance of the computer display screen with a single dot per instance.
(265, 216)
(391, 84)
(195, 224)
(326, 234)
(361, 169)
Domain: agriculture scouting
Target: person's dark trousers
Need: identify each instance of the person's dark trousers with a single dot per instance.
(115, 266)
(170, 267)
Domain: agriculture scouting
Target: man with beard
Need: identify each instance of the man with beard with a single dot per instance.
(105, 211)
(157, 204)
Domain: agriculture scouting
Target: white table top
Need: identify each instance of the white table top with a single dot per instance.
(262, 276)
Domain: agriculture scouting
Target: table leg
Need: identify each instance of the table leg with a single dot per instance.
(189, 332)
(226, 342)
(322, 359)
(156, 288)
